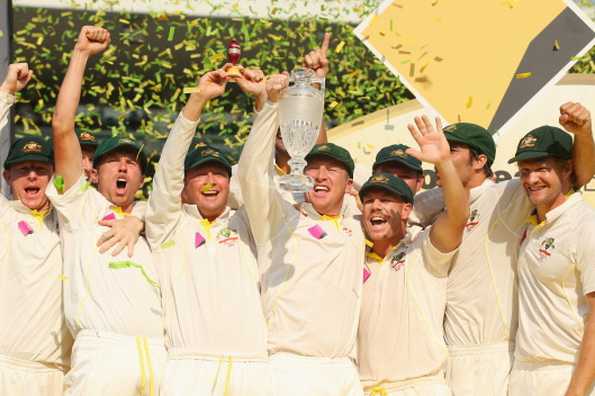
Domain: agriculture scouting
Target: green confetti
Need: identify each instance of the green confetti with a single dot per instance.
(171, 34)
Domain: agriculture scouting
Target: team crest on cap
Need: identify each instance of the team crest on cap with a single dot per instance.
(199, 145)
(546, 246)
(32, 147)
(379, 179)
(528, 142)
(450, 128)
(87, 137)
(399, 153)
(324, 147)
(209, 153)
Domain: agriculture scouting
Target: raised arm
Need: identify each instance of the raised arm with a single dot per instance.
(67, 151)
(447, 232)
(165, 202)
(576, 119)
(263, 202)
(17, 77)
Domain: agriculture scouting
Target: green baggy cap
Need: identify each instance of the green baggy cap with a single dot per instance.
(545, 141)
(119, 143)
(202, 153)
(333, 151)
(390, 183)
(29, 148)
(397, 153)
(477, 138)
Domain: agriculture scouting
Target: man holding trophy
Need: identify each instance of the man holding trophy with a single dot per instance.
(310, 301)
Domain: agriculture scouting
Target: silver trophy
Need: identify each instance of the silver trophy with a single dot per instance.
(300, 116)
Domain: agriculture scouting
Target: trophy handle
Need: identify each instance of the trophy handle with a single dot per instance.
(318, 80)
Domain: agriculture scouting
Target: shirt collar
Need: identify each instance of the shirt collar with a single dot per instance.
(192, 210)
(18, 206)
(476, 192)
(572, 199)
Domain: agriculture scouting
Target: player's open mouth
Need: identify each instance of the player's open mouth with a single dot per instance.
(121, 184)
(32, 191)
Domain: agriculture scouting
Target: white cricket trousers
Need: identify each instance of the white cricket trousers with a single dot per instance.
(19, 377)
(193, 374)
(105, 364)
(296, 375)
(480, 369)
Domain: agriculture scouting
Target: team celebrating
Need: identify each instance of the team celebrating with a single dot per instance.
(222, 283)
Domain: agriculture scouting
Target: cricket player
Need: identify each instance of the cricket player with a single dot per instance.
(481, 311)
(317, 61)
(34, 341)
(400, 342)
(395, 160)
(310, 261)
(112, 302)
(215, 328)
(555, 342)
(89, 143)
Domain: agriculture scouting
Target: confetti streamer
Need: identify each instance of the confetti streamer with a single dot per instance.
(521, 76)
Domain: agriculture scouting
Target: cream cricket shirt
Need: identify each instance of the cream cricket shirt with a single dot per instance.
(311, 265)
(400, 333)
(481, 291)
(208, 271)
(556, 271)
(32, 325)
(6, 100)
(115, 294)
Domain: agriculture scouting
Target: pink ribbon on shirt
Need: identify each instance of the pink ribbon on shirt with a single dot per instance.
(199, 240)
(317, 232)
(109, 216)
(25, 228)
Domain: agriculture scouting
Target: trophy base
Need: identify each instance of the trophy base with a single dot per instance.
(297, 184)
(233, 71)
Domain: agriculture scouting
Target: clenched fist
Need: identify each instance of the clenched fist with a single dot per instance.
(575, 118)
(92, 40)
(17, 77)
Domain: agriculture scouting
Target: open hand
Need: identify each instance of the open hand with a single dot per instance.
(432, 143)
(122, 233)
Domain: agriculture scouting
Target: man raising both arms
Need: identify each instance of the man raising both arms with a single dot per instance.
(215, 329)
(34, 342)
(310, 262)
(112, 304)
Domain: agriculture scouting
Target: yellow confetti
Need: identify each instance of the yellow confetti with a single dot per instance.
(340, 47)
(412, 70)
(521, 76)
(191, 90)
(333, 105)
(556, 45)
(469, 102)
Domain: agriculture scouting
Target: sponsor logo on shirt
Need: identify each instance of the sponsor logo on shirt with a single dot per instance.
(397, 261)
(473, 220)
(227, 237)
(546, 246)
